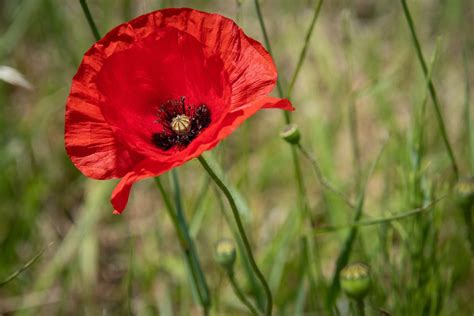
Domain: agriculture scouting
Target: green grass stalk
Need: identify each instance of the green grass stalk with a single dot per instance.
(467, 112)
(432, 89)
(90, 20)
(303, 52)
(25, 267)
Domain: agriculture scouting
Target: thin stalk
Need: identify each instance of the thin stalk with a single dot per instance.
(90, 20)
(360, 307)
(353, 124)
(383, 220)
(317, 9)
(467, 212)
(269, 47)
(242, 233)
(467, 111)
(188, 249)
(24, 267)
(420, 128)
(201, 280)
(239, 293)
(302, 200)
(324, 182)
(304, 205)
(431, 87)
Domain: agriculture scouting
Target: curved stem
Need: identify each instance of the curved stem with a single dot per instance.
(242, 233)
(240, 294)
(324, 182)
(89, 18)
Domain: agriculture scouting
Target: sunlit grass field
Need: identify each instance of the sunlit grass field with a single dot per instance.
(368, 125)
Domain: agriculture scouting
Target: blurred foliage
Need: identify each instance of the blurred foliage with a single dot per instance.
(361, 66)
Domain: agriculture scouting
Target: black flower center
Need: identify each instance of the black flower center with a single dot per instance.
(181, 123)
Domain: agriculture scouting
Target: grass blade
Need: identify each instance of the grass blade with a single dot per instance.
(25, 267)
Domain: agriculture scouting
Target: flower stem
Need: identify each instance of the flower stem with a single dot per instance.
(242, 233)
(90, 20)
(324, 182)
(360, 307)
(239, 293)
(187, 246)
(431, 87)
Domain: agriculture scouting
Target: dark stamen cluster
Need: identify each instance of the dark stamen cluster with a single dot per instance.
(199, 118)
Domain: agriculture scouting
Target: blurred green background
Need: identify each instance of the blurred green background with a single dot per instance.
(361, 86)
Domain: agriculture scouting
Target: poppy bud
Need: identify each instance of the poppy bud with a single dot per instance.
(464, 190)
(291, 133)
(355, 280)
(225, 253)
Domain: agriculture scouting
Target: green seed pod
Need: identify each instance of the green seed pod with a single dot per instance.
(225, 254)
(464, 190)
(291, 133)
(355, 280)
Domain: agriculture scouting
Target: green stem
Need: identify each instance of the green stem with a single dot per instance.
(467, 212)
(302, 200)
(187, 247)
(90, 20)
(15, 274)
(240, 294)
(201, 279)
(324, 182)
(431, 87)
(317, 9)
(267, 44)
(360, 307)
(352, 111)
(383, 220)
(242, 233)
(467, 111)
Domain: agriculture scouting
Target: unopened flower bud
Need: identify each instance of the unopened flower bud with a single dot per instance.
(355, 280)
(291, 133)
(464, 190)
(225, 253)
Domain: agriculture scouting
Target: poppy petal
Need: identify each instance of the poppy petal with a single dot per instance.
(89, 140)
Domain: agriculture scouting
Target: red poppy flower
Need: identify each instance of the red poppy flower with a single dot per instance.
(161, 89)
